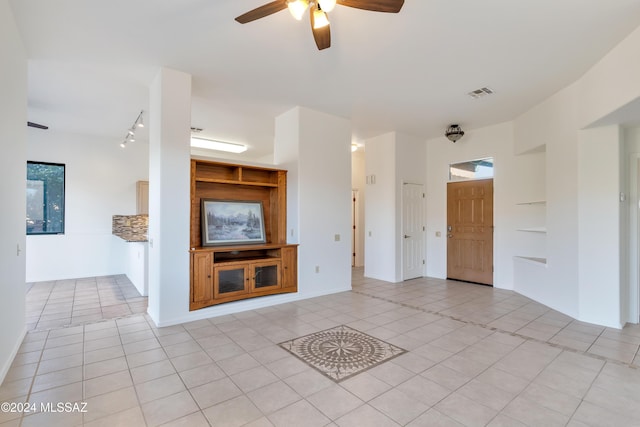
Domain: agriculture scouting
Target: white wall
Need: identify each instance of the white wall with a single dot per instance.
(390, 160)
(515, 181)
(13, 134)
(100, 182)
(324, 181)
(315, 148)
(631, 156)
(380, 209)
(599, 224)
(608, 86)
(169, 196)
(136, 260)
(410, 168)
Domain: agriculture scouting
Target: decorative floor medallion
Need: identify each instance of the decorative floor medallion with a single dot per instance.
(341, 352)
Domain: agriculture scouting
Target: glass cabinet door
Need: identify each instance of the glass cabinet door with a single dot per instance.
(266, 276)
(230, 280)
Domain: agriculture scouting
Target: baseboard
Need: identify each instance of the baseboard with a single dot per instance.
(7, 363)
(245, 305)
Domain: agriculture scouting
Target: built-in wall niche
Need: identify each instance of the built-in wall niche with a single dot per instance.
(225, 273)
(531, 210)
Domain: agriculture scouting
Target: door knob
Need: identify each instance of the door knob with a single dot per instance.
(449, 235)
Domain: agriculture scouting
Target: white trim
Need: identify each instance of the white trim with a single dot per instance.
(246, 305)
(634, 241)
(14, 352)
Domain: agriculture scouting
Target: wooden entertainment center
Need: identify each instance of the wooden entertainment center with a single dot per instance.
(232, 272)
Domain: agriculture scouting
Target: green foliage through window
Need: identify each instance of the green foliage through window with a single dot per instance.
(45, 198)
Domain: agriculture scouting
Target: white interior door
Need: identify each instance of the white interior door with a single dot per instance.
(412, 231)
(354, 221)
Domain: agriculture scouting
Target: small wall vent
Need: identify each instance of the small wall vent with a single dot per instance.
(479, 93)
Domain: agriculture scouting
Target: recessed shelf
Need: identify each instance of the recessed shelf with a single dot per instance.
(542, 230)
(236, 182)
(531, 259)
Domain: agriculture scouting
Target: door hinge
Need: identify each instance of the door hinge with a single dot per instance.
(423, 195)
(423, 228)
(423, 262)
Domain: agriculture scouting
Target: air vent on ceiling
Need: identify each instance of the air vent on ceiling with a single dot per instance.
(479, 93)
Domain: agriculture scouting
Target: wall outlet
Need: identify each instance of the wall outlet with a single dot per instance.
(292, 232)
(317, 269)
(438, 234)
(336, 237)
(369, 233)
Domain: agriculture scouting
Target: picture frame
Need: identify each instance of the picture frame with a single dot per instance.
(232, 222)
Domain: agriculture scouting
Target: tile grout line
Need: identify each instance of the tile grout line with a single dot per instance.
(562, 347)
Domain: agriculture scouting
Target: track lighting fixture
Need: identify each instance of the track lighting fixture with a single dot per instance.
(131, 132)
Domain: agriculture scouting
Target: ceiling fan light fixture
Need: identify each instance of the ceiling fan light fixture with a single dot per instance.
(320, 19)
(327, 5)
(297, 8)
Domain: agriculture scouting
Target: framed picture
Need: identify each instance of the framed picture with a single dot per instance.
(232, 222)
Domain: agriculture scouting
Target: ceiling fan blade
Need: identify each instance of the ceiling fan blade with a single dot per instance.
(322, 35)
(262, 11)
(390, 6)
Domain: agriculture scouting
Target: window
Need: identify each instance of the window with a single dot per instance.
(45, 198)
(474, 169)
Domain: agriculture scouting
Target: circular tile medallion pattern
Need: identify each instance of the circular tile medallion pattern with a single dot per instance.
(341, 352)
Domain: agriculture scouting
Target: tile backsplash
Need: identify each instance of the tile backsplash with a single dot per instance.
(132, 228)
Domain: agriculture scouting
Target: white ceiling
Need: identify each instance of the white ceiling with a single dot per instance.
(91, 62)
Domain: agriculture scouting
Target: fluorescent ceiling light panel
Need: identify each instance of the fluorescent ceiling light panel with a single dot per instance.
(210, 144)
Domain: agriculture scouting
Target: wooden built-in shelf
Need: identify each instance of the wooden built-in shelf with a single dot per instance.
(222, 274)
(229, 181)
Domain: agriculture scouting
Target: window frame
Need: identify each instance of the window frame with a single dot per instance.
(479, 160)
(64, 199)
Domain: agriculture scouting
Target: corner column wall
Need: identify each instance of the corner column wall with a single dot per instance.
(169, 195)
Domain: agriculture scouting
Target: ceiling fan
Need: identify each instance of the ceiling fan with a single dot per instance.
(318, 10)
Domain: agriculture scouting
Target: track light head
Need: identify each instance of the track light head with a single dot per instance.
(131, 132)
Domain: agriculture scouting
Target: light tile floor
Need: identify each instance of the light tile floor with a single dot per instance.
(63, 303)
(477, 356)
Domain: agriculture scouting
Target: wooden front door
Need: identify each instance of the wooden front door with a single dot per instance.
(470, 231)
